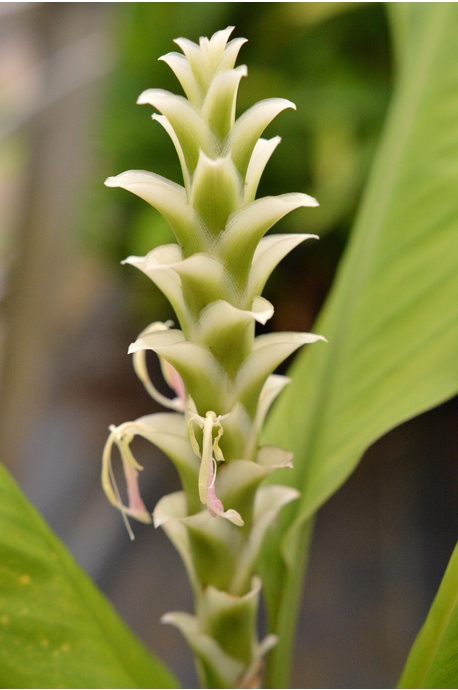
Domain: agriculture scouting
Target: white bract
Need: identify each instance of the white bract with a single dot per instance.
(222, 375)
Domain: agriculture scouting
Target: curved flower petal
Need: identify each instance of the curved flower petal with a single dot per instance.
(162, 120)
(159, 266)
(169, 199)
(168, 432)
(214, 48)
(269, 252)
(170, 374)
(268, 352)
(122, 436)
(174, 381)
(262, 151)
(219, 105)
(189, 126)
(272, 387)
(247, 226)
(246, 131)
(231, 51)
(180, 66)
(195, 364)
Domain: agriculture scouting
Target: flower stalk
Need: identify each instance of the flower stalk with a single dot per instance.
(221, 373)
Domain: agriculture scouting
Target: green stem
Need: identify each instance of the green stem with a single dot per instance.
(279, 660)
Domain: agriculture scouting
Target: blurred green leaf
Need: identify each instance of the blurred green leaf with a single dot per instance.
(392, 317)
(56, 628)
(433, 659)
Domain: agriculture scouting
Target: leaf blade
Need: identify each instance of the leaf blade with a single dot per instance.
(432, 659)
(391, 317)
(57, 629)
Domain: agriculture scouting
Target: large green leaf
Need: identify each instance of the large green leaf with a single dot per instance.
(392, 316)
(56, 628)
(433, 660)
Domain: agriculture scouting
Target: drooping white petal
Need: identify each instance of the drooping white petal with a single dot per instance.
(121, 437)
(169, 199)
(194, 363)
(258, 161)
(190, 128)
(268, 254)
(175, 382)
(168, 432)
(248, 128)
(206, 458)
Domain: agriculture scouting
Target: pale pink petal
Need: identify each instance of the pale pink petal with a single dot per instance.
(174, 380)
(214, 505)
(136, 505)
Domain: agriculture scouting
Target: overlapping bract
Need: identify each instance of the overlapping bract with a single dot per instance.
(221, 373)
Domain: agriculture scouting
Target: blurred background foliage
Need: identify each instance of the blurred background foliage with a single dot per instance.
(70, 74)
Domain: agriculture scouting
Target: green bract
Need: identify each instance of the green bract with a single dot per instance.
(221, 373)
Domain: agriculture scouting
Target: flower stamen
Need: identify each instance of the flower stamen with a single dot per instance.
(210, 455)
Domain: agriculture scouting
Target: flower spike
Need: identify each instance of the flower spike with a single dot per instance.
(212, 360)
